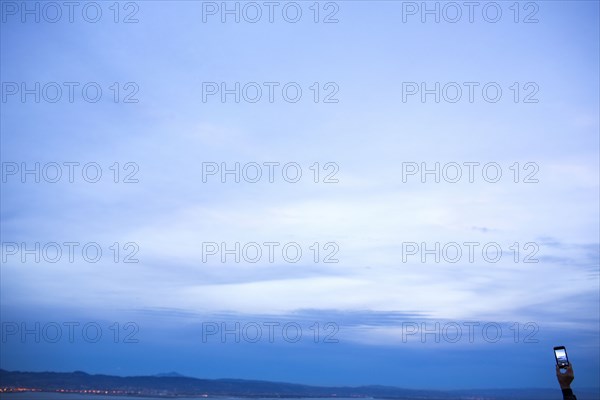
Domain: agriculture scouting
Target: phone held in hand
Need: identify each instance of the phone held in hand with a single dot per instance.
(560, 353)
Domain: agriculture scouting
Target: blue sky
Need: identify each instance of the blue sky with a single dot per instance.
(379, 296)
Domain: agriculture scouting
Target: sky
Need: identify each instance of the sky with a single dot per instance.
(332, 193)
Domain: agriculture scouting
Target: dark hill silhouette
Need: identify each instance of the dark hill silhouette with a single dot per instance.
(176, 385)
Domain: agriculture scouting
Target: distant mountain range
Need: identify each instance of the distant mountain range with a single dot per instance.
(170, 375)
(174, 385)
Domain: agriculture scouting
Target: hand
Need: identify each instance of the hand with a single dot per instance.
(565, 379)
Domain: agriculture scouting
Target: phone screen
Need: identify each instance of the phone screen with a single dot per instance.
(561, 357)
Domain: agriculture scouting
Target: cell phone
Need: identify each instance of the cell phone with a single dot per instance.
(560, 353)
